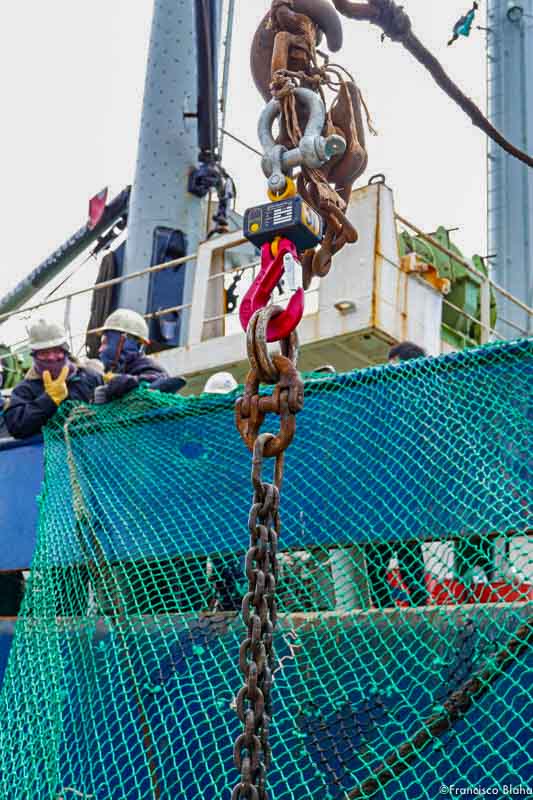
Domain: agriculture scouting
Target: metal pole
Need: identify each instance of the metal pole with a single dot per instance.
(484, 302)
(510, 183)
(104, 285)
(168, 151)
(225, 76)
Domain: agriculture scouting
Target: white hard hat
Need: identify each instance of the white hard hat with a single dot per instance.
(93, 364)
(127, 321)
(220, 383)
(44, 335)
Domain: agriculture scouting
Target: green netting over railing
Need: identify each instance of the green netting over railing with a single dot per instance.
(404, 571)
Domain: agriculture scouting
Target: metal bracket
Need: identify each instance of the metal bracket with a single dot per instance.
(313, 150)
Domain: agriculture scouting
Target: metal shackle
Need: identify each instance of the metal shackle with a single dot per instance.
(313, 150)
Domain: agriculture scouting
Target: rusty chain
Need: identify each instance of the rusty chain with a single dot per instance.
(283, 58)
(251, 752)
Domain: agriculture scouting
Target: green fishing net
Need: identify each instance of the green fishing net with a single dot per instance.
(405, 569)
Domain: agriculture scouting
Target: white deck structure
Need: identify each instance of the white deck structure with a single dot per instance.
(368, 301)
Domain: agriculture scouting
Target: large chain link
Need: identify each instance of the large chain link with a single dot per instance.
(251, 752)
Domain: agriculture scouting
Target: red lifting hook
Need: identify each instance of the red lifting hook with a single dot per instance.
(258, 295)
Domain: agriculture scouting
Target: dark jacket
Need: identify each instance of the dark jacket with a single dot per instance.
(135, 371)
(145, 368)
(30, 407)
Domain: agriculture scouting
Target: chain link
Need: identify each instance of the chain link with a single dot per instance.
(251, 752)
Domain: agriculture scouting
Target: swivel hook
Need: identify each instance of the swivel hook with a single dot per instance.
(274, 260)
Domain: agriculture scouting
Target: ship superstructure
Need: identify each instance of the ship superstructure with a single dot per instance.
(402, 571)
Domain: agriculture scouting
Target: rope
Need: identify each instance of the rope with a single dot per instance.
(99, 286)
(369, 123)
(395, 24)
(242, 142)
(453, 711)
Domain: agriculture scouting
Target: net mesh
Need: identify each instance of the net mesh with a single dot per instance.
(405, 569)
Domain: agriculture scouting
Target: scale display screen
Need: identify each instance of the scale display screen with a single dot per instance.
(292, 219)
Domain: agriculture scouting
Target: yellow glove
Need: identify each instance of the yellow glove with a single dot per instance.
(108, 376)
(57, 389)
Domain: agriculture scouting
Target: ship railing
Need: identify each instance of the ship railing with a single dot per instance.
(209, 319)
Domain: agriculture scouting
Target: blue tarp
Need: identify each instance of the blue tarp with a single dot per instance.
(427, 450)
(326, 737)
(432, 452)
(434, 449)
(21, 474)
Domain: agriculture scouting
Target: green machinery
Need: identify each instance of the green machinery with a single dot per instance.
(465, 293)
(13, 366)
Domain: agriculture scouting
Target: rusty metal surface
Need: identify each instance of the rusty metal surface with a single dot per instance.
(285, 59)
(324, 18)
(288, 395)
(251, 752)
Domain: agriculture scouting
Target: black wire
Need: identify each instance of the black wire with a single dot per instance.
(240, 141)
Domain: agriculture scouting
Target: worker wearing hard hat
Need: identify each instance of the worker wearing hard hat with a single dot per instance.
(220, 383)
(125, 334)
(54, 377)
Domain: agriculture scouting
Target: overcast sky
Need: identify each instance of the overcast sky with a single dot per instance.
(72, 78)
